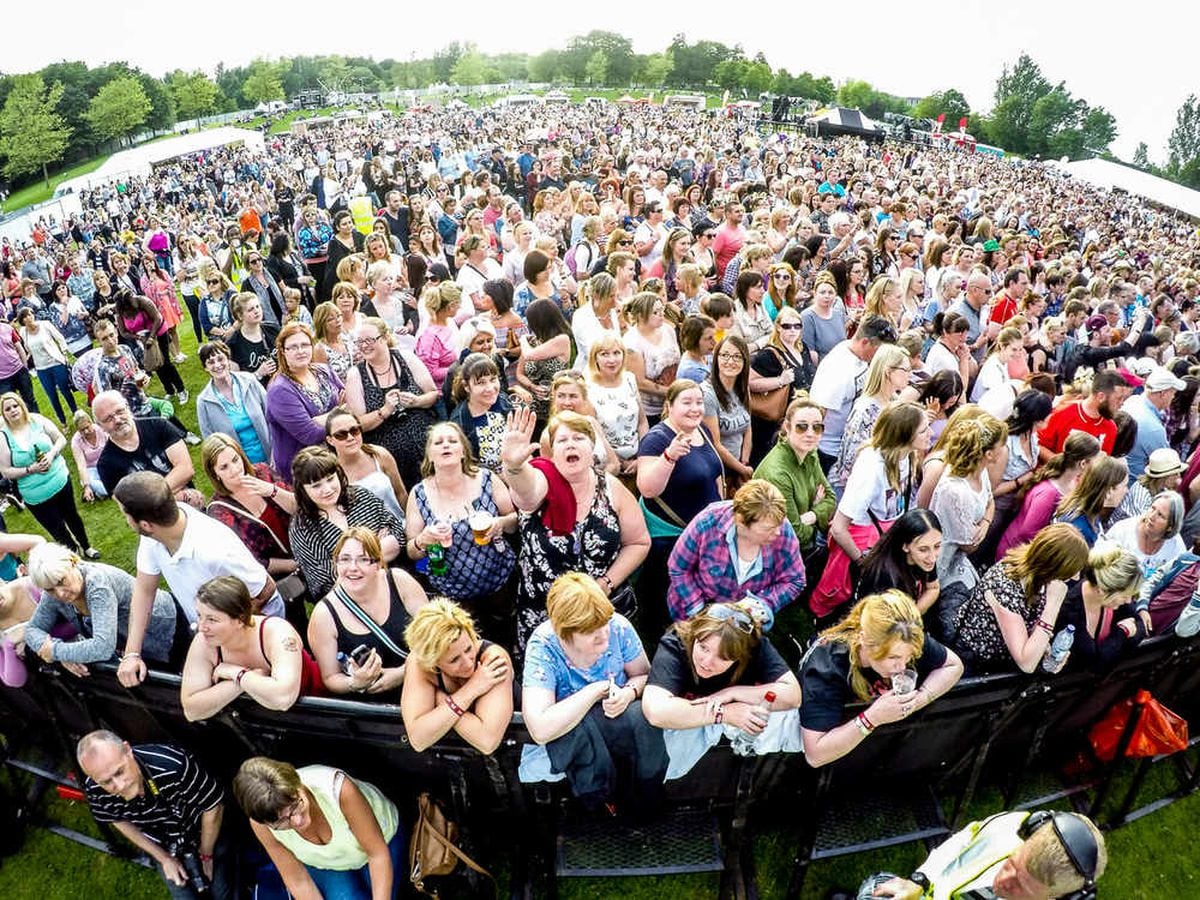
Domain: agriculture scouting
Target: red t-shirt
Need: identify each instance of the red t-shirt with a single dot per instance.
(1003, 308)
(1071, 417)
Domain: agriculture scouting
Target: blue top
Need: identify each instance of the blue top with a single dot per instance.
(547, 666)
(1151, 433)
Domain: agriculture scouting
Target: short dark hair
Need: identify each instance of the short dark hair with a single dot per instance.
(877, 330)
(209, 350)
(146, 497)
(1106, 380)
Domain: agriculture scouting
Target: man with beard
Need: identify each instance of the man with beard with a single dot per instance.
(1093, 414)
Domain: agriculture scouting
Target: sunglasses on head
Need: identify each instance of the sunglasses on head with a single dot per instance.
(730, 613)
(342, 433)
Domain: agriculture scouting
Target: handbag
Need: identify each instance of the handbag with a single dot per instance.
(1158, 731)
(292, 587)
(152, 358)
(433, 848)
(771, 405)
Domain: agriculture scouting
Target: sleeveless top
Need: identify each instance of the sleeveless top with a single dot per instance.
(472, 570)
(380, 485)
(590, 548)
(36, 487)
(617, 411)
(311, 684)
(403, 435)
(343, 853)
(441, 682)
(397, 620)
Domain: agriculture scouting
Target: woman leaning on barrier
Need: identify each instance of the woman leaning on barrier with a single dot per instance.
(457, 681)
(879, 653)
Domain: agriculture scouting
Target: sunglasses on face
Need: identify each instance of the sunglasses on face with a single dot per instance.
(790, 326)
(815, 427)
(342, 433)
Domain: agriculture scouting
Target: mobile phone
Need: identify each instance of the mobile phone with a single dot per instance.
(612, 688)
(359, 654)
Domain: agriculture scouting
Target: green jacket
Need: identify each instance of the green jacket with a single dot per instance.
(798, 481)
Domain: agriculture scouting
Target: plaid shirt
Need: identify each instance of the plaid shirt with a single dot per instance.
(702, 567)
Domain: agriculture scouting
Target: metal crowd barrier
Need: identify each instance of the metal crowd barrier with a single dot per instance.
(913, 780)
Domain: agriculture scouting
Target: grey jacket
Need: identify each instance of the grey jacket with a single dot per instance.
(210, 410)
(108, 592)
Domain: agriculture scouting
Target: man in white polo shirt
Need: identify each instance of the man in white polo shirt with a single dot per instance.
(188, 549)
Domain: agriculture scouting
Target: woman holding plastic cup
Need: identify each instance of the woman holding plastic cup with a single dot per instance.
(465, 510)
(880, 653)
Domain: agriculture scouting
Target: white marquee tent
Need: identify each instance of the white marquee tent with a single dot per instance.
(1111, 175)
(140, 160)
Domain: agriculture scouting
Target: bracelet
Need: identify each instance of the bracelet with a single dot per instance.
(862, 728)
(1045, 626)
(865, 722)
(205, 857)
(719, 714)
(608, 581)
(132, 654)
(274, 490)
(516, 471)
(454, 707)
(667, 458)
(240, 675)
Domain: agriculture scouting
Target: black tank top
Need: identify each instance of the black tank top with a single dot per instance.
(397, 620)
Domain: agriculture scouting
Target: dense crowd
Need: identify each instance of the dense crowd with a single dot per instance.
(574, 410)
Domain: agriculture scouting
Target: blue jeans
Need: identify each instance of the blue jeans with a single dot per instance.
(356, 883)
(56, 380)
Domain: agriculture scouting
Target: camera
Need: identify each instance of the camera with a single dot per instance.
(196, 878)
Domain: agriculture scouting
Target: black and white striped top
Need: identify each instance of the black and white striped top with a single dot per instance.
(176, 793)
(313, 540)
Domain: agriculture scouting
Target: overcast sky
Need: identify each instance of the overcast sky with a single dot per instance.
(1137, 60)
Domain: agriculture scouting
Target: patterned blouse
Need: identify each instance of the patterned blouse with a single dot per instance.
(976, 630)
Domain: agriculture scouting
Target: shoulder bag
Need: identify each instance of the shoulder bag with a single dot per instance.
(771, 405)
(433, 849)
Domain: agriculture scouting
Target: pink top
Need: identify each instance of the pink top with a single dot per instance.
(89, 452)
(1035, 514)
(437, 348)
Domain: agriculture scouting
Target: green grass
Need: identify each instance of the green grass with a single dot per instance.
(37, 192)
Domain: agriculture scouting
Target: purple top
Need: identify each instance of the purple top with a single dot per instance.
(1036, 512)
(290, 412)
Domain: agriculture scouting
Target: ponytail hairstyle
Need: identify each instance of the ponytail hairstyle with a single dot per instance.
(1079, 447)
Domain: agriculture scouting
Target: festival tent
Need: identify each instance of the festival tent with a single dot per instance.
(1114, 176)
(139, 161)
(840, 120)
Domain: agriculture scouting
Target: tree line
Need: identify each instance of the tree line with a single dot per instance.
(68, 112)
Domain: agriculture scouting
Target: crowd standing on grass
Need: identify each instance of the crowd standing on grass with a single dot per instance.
(600, 405)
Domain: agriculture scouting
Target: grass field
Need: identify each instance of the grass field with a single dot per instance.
(1154, 857)
(37, 192)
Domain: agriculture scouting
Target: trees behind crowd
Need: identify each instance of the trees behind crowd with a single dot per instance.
(99, 107)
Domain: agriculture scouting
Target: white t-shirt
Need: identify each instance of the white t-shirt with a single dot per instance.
(209, 549)
(867, 488)
(838, 381)
(1124, 535)
(939, 359)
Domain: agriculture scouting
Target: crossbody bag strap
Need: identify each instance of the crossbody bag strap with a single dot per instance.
(454, 848)
(372, 626)
(246, 514)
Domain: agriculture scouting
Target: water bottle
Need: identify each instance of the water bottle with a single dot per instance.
(437, 559)
(1056, 653)
(744, 743)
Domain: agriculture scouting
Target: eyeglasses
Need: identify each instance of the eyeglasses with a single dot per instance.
(343, 433)
(790, 326)
(727, 612)
(624, 243)
(366, 341)
(285, 821)
(361, 561)
(296, 348)
(815, 427)
(782, 276)
(709, 234)
(214, 281)
(729, 357)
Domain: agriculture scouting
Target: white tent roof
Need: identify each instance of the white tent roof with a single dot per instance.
(1110, 175)
(138, 160)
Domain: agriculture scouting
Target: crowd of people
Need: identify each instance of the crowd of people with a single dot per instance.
(585, 414)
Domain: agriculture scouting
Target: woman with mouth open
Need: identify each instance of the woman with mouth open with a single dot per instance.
(573, 518)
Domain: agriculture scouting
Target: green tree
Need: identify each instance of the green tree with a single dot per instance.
(1052, 114)
(1024, 81)
(545, 66)
(656, 70)
(618, 54)
(1141, 156)
(1005, 128)
(1099, 128)
(1184, 143)
(444, 60)
(470, 68)
(32, 133)
(119, 109)
(950, 101)
(194, 92)
(856, 95)
(757, 77)
(729, 73)
(262, 83)
(162, 105)
(597, 68)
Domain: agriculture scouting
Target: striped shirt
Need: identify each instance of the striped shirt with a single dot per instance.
(175, 794)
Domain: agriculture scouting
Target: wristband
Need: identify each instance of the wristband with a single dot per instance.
(719, 714)
(667, 458)
(454, 707)
(274, 490)
(1045, 626)
(132, 654)
(865, 722)
(205, 857)
(240, 675)
(607, 581)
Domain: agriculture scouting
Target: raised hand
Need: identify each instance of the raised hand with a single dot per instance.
(516, 445)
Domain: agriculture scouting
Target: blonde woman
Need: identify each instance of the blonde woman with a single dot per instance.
(1100, 490)
(653, 351)
(598, 314)
(456, 681)
(332, 346)
(1101, 607)
(884, 298)
(437, 343)
(887, 376)
(613, 393)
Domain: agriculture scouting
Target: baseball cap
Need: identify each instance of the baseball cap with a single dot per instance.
(1162, 380)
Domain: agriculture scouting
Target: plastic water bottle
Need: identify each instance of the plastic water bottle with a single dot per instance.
(744, 743)
(1056, 653)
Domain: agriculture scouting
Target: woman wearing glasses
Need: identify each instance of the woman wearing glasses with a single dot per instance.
(879, 643)
(366, 465)
(216, 314)
(719, 656)
(299, 397)
(370, 606)
(780, 364)
(328, 835)
(887, 376)
(793, 467)
(727, 407)
(393, 395)
(781, 289)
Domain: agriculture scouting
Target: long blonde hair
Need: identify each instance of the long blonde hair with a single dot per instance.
(895, 430)
(874, 625)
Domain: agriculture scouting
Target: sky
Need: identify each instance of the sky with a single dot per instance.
(1104, 52)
